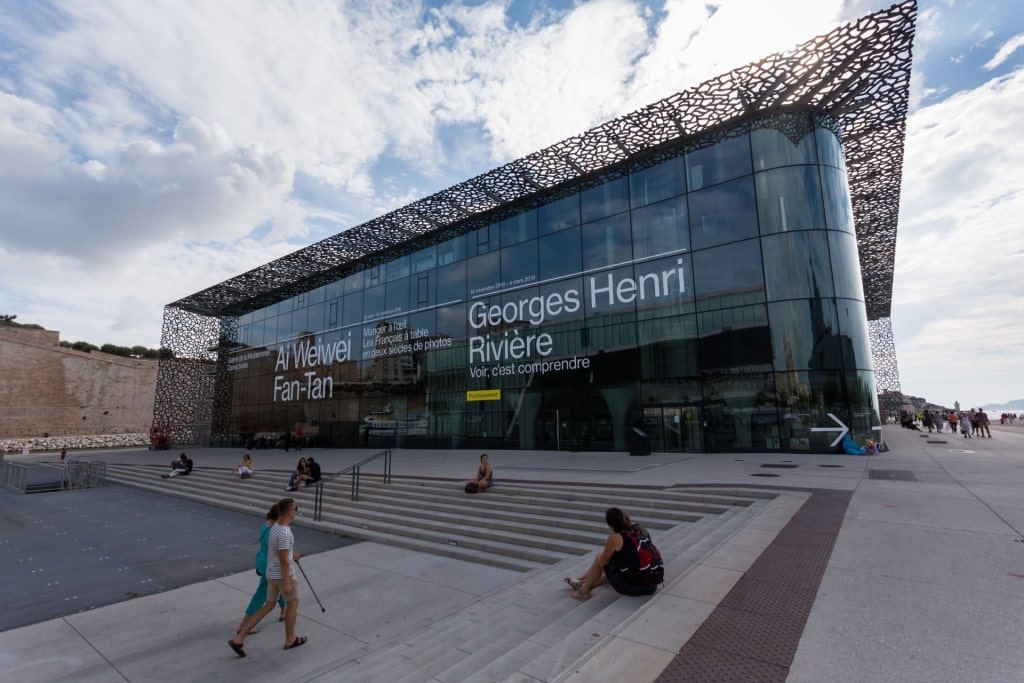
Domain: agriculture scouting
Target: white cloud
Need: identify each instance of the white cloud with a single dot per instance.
(957, 300)
(1005, 51)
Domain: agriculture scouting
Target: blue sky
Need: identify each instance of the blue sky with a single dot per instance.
(149, 150)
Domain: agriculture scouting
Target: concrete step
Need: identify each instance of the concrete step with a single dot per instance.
(519, 526)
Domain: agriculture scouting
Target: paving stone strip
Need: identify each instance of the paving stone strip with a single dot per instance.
(754, 632)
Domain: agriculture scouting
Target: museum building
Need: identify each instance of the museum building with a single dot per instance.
(712, 273)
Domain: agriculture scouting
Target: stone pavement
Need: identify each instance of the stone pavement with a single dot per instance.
(925, 581)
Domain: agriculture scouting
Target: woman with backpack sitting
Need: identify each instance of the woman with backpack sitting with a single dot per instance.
(618, 563)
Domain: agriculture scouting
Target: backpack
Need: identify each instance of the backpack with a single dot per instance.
(651, 572)
(472, 487)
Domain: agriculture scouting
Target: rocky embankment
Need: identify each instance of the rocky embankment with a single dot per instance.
(74, 443)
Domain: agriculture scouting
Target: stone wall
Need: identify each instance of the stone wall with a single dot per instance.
(50, 391)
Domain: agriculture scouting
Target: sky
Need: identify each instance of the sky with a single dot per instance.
(149, 150)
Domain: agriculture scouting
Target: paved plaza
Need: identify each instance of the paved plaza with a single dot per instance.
(924, 582)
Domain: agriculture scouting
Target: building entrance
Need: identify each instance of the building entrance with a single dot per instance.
(675, 428)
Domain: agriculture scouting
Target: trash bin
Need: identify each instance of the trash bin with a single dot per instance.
(639, 442)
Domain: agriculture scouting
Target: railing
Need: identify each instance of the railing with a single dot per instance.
(83, 474)
(354, 471)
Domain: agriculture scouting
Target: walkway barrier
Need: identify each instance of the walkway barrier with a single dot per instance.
(83, 474)
(354, 471)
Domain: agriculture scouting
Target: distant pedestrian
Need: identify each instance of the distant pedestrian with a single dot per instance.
(965, 425)
(983, 423)
(281, 559)
(953, 421)
(63, 454)
(928, 422)
(973, 416)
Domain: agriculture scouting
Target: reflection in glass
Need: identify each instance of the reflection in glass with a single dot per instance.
(805, 335)
(718, 162)
(483, 273)
(558, 215)
(830, 152)
(789, 199)
(451, 282)
(838, 209)
(796, 265)
(397, 268)
(519, 228)
(608, 198)
(519, 263)
(560, 254)
(846, 265)
(660, 228)
(773, 148)
(853, 324)
(655, 183)
(451, 251)
(734, 338)
(607, 242)
(741, 413)
(665, 286)
(352, 311)
(424, 259)
(723, 213)
(728, 275)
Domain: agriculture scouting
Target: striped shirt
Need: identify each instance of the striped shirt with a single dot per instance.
(280, 539)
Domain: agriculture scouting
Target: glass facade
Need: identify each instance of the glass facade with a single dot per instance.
(708, 297)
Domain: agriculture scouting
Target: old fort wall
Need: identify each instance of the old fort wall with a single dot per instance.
(46, 389)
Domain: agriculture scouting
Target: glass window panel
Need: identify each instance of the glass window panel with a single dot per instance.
(484, 273)
(422, 327)
(830, 152)
(727, 275)
(451, 321)
(451, 282)
(374, 302)
(789, 199)
(735, 338)
(655, 183)
(719, 162)
(397, 268)
(317, 295)
(352, 311)
(608, 198)
(667, 329)
(451, 251)
(560, 254)
(853, 324)
(846, 271)
(315, 317)
(564, 302)
(374, 276)
(607, 242)
(332, 313)
(611, 292)
(423, 260)
(773, 148)
(660, 228)
(664, 286)
(422, 286)
(724, 213)
(796, 265)
(805, 399)
(838, 209)
(559, 214)
(805, 335)
(396, 297)
(484, 240)
(519, 228)
(519, 264)
(668, 359)
(354, 282)
(740, 413)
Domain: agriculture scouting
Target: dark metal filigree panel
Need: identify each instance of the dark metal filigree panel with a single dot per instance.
(857, 75)
(887, 376)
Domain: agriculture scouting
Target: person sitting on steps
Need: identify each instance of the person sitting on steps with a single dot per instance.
(484, 475)
(245, 470)
(314, 472)
(183, 465)
(299, 475)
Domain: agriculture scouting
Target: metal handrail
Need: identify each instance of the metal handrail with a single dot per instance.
(354, 470)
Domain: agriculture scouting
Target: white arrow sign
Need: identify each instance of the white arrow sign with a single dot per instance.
(842, 429)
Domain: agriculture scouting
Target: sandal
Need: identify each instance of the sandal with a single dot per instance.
(573, 583)
(237, 647)
(253, 631)
(299, 640)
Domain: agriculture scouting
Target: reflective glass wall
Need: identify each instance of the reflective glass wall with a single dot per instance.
(708, 298)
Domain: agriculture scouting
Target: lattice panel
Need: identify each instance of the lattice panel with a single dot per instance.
(887, 376)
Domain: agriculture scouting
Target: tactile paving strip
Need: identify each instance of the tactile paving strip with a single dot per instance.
(754, 632)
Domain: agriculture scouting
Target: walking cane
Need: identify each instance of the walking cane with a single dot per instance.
(322, 608)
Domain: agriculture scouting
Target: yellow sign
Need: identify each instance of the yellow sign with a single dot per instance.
(484, 395)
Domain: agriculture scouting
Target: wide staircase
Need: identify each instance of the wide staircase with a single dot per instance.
(518, 632)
